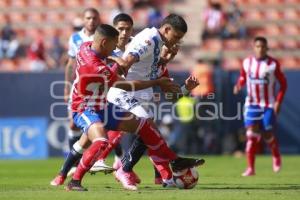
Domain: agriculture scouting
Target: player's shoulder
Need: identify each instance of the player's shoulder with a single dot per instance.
(272, 61)
(247, 61)
(145, 36)
(76, 38)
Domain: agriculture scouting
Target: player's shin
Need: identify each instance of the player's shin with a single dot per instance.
(72, 158)
(251, 146)
(114, 139)
(162, 165)
(154, 141)
(89, 157)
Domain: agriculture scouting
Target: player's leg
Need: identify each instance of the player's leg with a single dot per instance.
(159, 151)
(251, 120)
(72, 158)
(268, 135)
(114, 140)
(93, 127)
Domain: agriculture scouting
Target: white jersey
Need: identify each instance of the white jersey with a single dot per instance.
(125, 99)
(76, 40)
(146, 46)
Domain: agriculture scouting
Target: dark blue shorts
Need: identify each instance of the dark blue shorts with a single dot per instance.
(110, 117)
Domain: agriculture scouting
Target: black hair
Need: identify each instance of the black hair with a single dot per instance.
(261, 39)
(122, 17)
(107, 31)
(176, 21)
(91, 9)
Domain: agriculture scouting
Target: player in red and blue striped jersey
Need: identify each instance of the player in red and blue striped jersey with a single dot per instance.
(260, 73)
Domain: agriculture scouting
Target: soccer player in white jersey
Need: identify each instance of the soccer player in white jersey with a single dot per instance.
(143, 61)
(259, 73)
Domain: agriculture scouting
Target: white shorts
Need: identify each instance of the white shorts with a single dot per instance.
(129, 102)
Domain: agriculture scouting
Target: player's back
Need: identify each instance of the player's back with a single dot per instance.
(93, 79)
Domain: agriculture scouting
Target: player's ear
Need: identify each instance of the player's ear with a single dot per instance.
(103, 42)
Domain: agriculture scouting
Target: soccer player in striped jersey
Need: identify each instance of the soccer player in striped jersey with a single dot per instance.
(259, 74)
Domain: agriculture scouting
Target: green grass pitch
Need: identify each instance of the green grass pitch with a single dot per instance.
(219, 179)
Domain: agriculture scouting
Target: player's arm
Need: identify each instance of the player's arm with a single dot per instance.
(140, 84)
(68, 77)
(283, 86)
(69, 69)
(240, 82)
(122, 65)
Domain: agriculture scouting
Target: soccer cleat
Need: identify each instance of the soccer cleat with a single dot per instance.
(117, 164)
(71, 172)
(75, 185)
(100, 166)
(158, 181)
(136, 178)
(58, 180)
(184, 163)
(248, 172)
(276, 164)
(168, 183)
(127, 179)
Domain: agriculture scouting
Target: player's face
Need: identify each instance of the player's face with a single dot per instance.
(91, 20)
(110, 45)
(173, 36)
(260, 49)
(125, 31)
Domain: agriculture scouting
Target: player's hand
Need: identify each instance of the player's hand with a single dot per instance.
(277, 106)
(236, 89)
(191, 82)
(167, 85)
(167, 54)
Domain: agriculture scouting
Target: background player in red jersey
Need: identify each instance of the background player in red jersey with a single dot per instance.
(260, 73)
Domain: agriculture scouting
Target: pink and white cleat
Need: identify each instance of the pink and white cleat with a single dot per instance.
(136, 178)
(276, 164)
(249, 172)
(127, 179)
(58, 180)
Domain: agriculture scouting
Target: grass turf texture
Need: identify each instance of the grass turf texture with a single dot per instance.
(219, 179)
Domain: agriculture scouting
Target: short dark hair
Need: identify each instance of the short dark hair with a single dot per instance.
(107, 31)
(176, 21)
(122, 17)
(91, 9)
(261, 39)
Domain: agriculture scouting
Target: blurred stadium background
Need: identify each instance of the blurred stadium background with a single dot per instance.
(33, 43)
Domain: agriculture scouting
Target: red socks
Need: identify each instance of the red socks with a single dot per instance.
(89, 157)
(251, 147)
(155, 142)
(114, 139)
(273, 144)
(162, 165)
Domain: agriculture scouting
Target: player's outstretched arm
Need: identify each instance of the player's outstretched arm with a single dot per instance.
(140, 85)
(68, 78)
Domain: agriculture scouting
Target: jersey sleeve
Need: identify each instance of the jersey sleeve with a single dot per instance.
(71, 48)
(140, 48)
(243, 77)
(282, 82)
